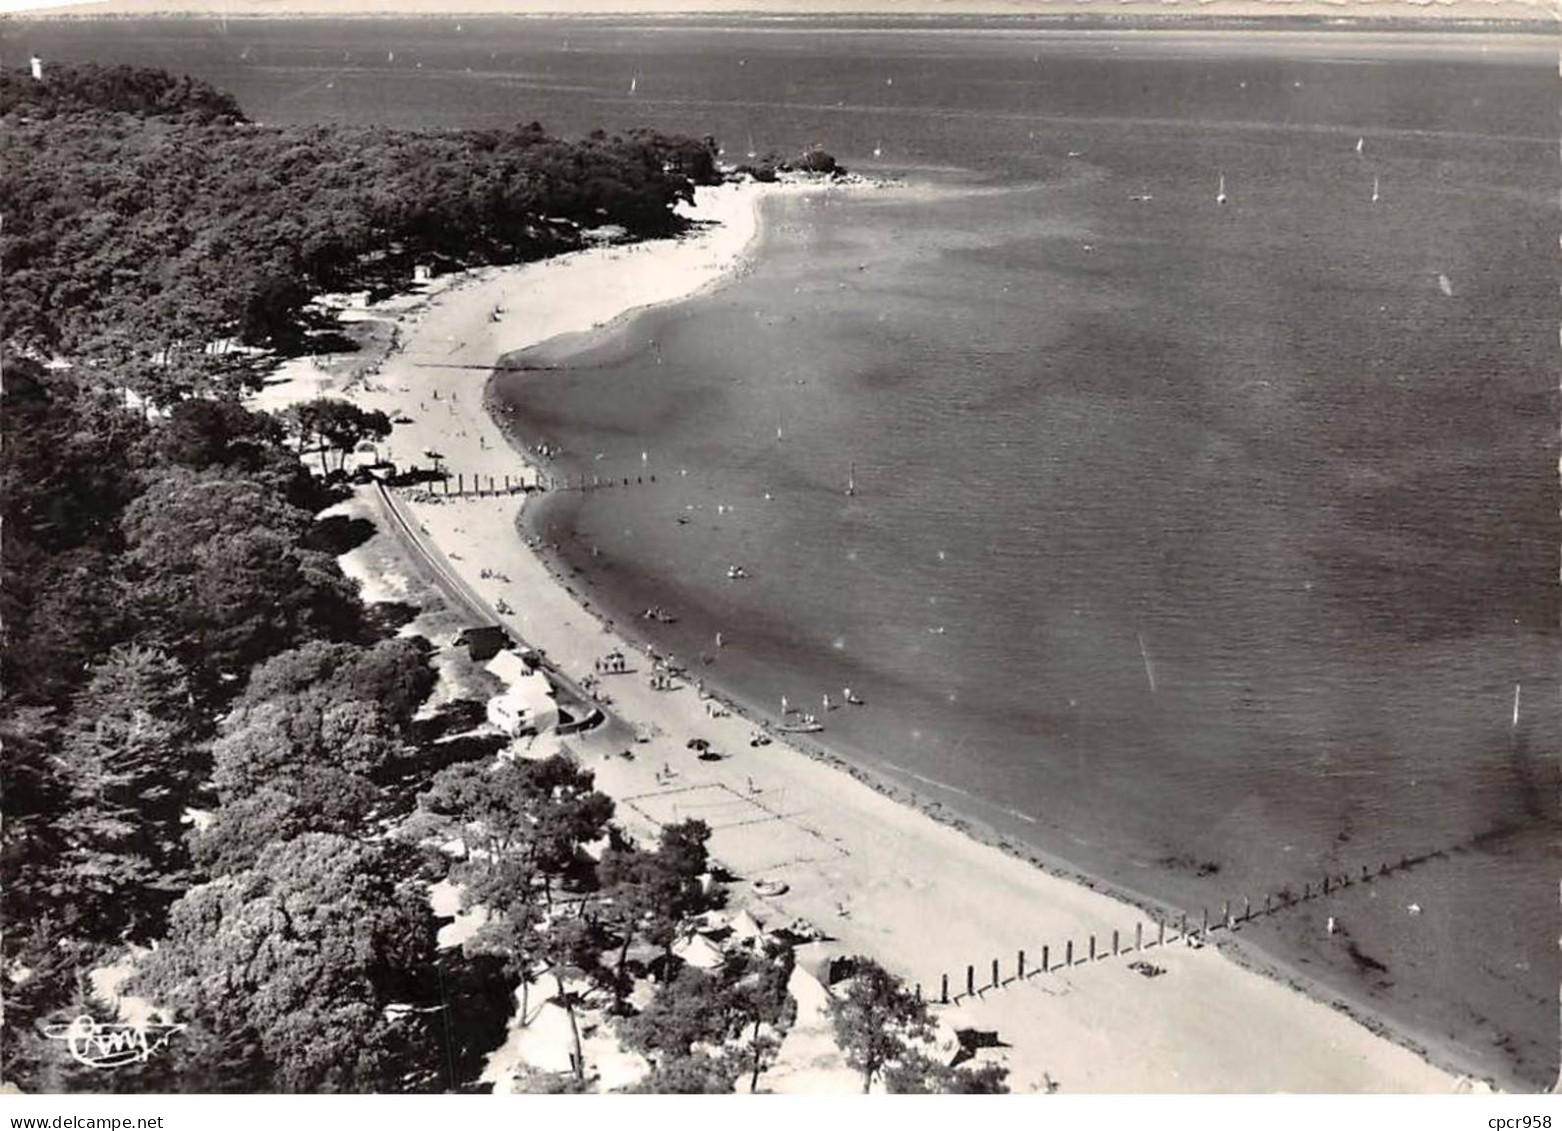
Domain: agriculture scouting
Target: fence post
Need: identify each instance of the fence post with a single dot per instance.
(1307, 889)
(1160, 933)
(1247, 909)
(1204, 930)
(1046, 959)
(1182, 923)
(490, 484)
(1068, 955)
(460, 484)
(1092, 948)
(943, 993)
(919, 991)
(970, 980)
(1365, 875)
(1138, 936)
(1225, 913)
(1325, 885)
(995, 972)
(506, 484)
(1266, 903)
(1114, 942)
(1020, 965)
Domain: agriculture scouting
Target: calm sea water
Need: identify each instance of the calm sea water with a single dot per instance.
(1200, 546)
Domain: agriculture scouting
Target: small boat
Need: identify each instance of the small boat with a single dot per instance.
(850, 697)
(809, 725)
(736, 573)
(828, 706)
(1220, 193)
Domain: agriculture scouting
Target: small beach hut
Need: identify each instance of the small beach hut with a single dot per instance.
(826, 965)
(483, 642)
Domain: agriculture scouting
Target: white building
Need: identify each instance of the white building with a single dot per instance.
(527, 702)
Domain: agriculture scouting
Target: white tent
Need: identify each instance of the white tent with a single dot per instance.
(544, 1044)
(699, 952)
(509, 665)
(745, 926)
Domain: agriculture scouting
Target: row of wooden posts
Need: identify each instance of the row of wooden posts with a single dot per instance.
(462, 485)
(479, 485)
(597, 482)
(1096, 951)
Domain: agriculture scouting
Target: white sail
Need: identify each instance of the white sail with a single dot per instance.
(1374, 190)
(1220, 193)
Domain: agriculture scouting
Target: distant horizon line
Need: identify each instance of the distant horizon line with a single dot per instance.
(1213, 14)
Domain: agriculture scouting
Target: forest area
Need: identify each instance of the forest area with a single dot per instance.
(211, 742)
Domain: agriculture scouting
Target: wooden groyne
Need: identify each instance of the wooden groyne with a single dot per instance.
(982, 977)
(444, 483)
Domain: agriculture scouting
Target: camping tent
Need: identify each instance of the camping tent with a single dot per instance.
(699, 952)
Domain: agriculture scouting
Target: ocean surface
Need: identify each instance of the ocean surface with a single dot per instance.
(1203, 547)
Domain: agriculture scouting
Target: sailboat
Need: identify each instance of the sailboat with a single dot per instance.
(634, 83)
(1220, 193)
(1360, 141)
(1374, 190)
(751, 152)
(1516, 688)
(851, 481)
(878, 149)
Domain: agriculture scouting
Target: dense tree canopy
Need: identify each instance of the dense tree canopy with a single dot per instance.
(207, 743)
(305, 954)
(75, 87)
(145, 220)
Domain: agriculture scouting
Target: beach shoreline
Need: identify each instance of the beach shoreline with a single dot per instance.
(862, 861)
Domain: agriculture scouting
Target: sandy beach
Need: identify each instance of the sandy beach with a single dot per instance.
(878, 876)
